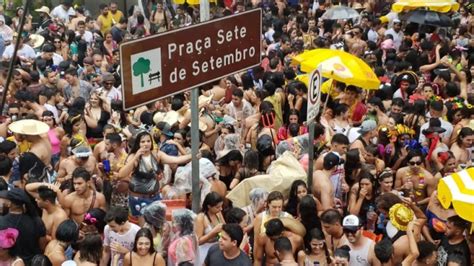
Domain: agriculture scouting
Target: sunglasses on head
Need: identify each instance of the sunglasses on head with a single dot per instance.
(413, 163)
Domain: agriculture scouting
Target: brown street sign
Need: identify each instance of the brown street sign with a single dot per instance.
(165, 64)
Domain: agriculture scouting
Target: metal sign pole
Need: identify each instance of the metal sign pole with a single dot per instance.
(310, 157)
(314, 105)
(13, 59)
(196, 191)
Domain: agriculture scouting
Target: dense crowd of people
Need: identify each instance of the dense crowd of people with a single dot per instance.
(84, 182)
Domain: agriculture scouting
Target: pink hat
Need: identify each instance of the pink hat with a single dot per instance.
(8, 238)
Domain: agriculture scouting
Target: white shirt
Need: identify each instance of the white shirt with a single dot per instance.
(57, 58)
(114, 94)
(53, 110)
(397, 37)
(444, 124)
(126, 240)
(25, 51)
(87, 36)
(372, 35)
(60, 13)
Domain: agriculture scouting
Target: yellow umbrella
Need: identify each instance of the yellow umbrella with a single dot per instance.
(325, 87)
(458, 190)
(442, 6)
(190, 2)
(340, 66)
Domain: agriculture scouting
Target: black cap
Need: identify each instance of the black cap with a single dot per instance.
(331, 160)
(18, 196)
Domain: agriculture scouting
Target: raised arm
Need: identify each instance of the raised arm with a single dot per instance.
(166, 159)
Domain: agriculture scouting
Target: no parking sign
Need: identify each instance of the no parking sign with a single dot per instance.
(314, 94)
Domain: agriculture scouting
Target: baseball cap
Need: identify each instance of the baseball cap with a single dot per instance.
(351, 222)
(396, 20)
(82, 152)
(367, 126)
(331, 160)
(165, 128)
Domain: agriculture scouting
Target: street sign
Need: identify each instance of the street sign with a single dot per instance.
(168, 63)
(314, 94)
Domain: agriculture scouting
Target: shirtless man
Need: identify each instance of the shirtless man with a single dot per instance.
(322, 187)
(265, 243)
(376, 110)
(99, 148)
(53, 214)
(339, 144)
(461, 148)
(33, 132)
(416, 179)
(80, 158)
(401, 245)
(83, 198)
(332, 228)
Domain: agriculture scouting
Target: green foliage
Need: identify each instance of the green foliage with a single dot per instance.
(141, 67)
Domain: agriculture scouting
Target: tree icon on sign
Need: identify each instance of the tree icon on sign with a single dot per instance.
(140, 68)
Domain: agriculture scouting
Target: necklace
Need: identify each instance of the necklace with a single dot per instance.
(419, 189)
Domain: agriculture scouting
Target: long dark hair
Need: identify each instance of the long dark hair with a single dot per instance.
(136, 143)
(144, 232)
(211, 199)
(292, 205)
(316, 233)
(352, 164)
(90, 248)
(371, 178)
(308, 212)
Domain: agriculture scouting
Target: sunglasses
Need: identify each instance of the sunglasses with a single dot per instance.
(350, 231)
(108, 83)
(413, 163)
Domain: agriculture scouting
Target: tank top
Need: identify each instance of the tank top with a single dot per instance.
(360, 257)
(54, 140)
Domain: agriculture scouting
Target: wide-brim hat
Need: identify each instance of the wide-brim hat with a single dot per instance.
(36, 40)
(158, 117)
(400, 215)
(434, 127)
(29, 127)
(43, 9)
(171, 117)
(408, 76)
(204, 100)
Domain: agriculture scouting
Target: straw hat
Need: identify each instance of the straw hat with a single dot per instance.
(187, 113)
(29, 127)
(158, 117)
(36, 40)
(43, 9)
(400, 215)
(171, 117)
(204, 100)
(357, 6)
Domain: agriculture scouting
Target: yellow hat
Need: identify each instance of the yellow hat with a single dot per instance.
(400, 215)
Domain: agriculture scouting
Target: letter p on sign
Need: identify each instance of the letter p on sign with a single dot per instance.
(314, 95)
